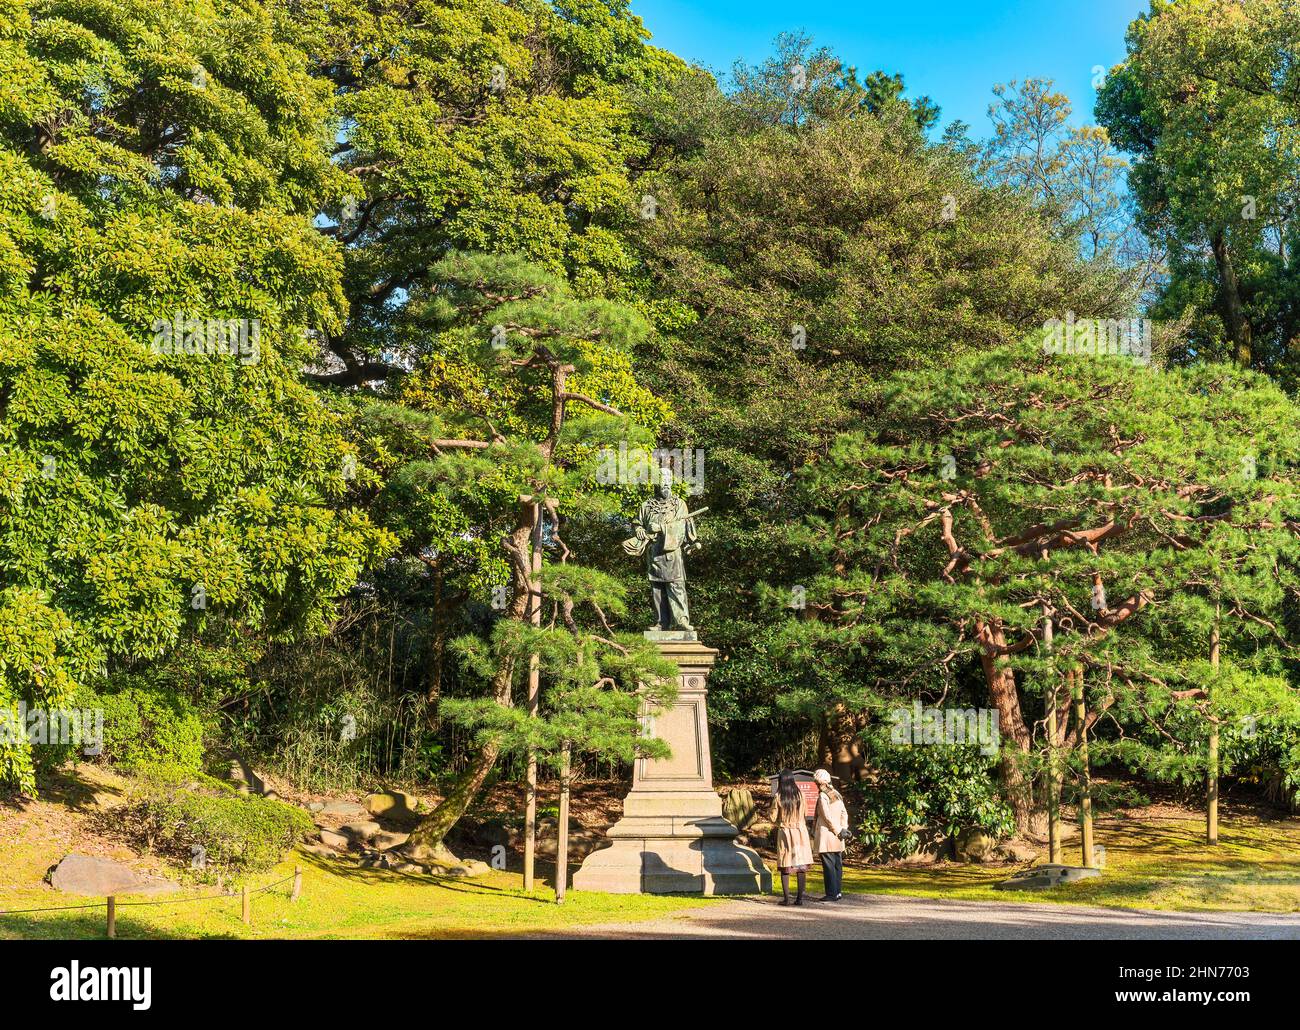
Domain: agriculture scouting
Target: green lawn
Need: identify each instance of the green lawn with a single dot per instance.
(1159, 863)
(344, 902)
(1156, 858)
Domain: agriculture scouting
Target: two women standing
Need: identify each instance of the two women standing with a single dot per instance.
(794, 848)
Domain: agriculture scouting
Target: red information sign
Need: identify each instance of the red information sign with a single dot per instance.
(807, 787)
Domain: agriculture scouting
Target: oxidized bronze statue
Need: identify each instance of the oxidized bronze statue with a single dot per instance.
(665, 532)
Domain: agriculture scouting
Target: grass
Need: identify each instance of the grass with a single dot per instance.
(341, 901)
(1157, 863)
(1156, 858)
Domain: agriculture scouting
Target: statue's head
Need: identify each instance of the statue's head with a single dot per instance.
(664, 488)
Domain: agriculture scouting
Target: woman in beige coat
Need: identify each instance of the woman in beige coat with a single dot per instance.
(793, 848)
(830, 827)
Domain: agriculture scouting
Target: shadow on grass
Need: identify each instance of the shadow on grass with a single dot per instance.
(67, 788)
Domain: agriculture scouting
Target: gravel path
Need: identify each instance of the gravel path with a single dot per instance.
(891, 917)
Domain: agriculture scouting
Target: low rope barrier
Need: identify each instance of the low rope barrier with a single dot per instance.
(246, 894)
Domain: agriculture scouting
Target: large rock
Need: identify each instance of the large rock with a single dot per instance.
(347, 809)
(386, 839)
(102, 877)
(359, 832)
(331, 839)
(973, 845)
(393, 803)
(319, 850)
(440, 861)
(1014, 851)
(1045, 877)
(738, 807)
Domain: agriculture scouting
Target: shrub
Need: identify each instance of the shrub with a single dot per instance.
(210, 822)
(925, 794)
(148, 728)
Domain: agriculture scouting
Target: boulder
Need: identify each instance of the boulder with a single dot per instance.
(1014, 851)
(316, 806)
(347, 809)
(973, 845)
(319, 850)
(102, 877)
(334, 840)
(359, 832)
(390, 803)
(441, 862)
(385, 839)
(738, 807)
(1045, 877)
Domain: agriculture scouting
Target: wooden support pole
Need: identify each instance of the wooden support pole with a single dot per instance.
(562, 844)
(1053, 784)
(297, 883)
(534, 695)
(1212, 749)
(112, 916)
(247, 906)
(1085, 784)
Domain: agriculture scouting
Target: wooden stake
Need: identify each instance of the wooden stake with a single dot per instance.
(297, 883)
(248, 906)
(1053, 786)
(1212, 751)
(1085, 786)
(112, 916)
(534, 695)
(562, 845)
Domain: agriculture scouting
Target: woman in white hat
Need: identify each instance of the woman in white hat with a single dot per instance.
(830, 831)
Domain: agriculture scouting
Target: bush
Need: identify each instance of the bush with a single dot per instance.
(925, 794)
(148, 728)
(209, 821)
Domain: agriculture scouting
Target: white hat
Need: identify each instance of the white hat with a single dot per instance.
(822, 776)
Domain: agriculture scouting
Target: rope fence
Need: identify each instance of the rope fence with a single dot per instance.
(246, 898)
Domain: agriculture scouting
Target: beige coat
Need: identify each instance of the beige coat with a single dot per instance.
(793, 848)
(832, 817)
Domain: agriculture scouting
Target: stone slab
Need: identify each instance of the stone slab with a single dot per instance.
(1044, 877)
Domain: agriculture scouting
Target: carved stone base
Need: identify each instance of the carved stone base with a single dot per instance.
(672, 838)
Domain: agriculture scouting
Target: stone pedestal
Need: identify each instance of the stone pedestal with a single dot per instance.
(672, 838)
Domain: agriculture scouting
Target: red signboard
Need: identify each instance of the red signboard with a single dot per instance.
(807, 787)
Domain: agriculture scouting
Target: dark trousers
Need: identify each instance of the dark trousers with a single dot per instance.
(832, 871)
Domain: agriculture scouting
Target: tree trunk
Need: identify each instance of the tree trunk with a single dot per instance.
(1234, 312)
(1212, 749)
(841, 750)
(427, 838)
(1001, 682)
(426, 841)
(1085, 782)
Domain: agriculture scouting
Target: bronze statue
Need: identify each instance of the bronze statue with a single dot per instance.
(665, 533)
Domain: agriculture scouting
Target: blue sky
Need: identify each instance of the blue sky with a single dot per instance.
(954, 51)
